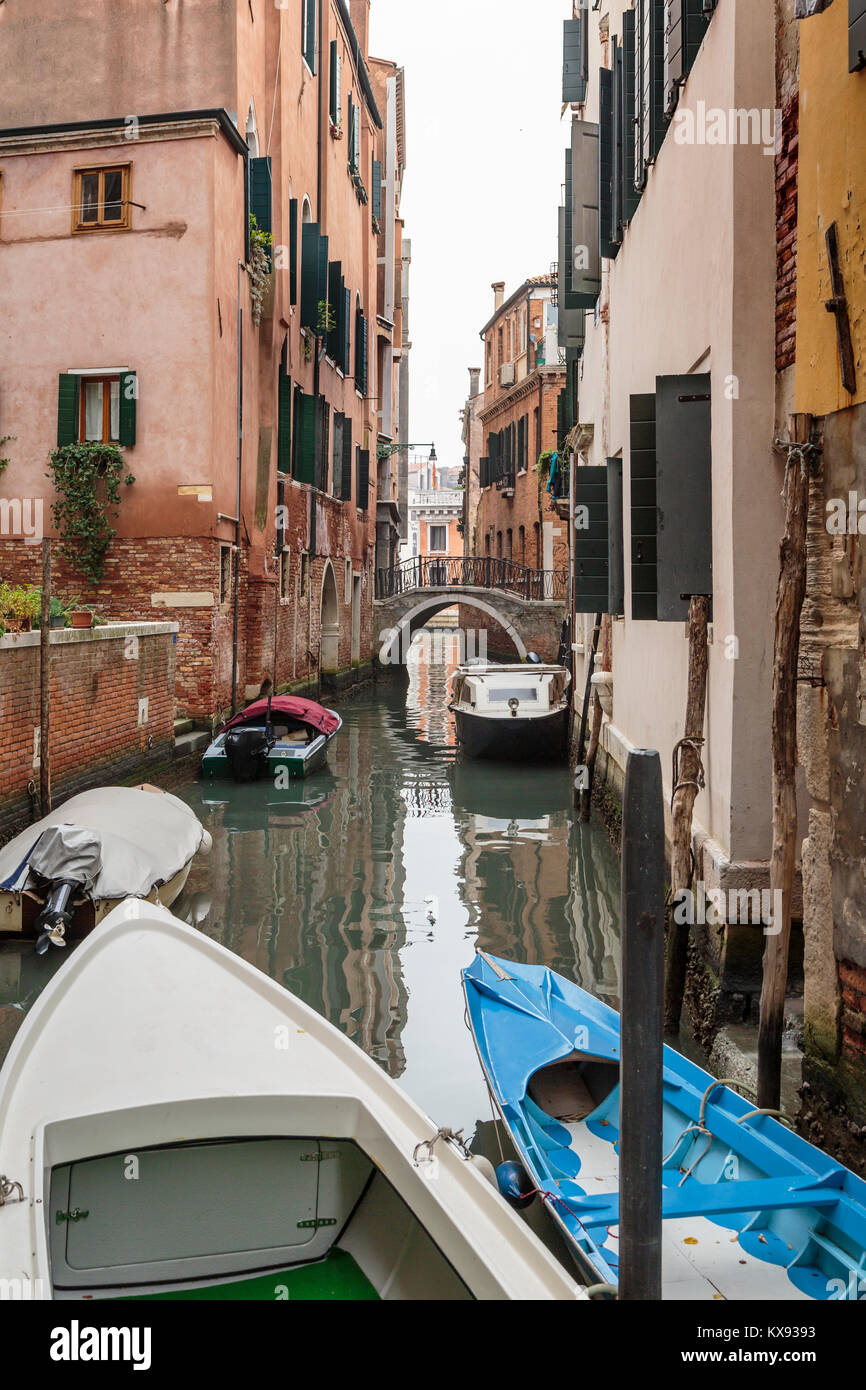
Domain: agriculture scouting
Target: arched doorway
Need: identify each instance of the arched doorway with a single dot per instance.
(330, 648)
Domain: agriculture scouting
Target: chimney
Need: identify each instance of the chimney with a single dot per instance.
(359, 11)
(499, 294)
(474, 381)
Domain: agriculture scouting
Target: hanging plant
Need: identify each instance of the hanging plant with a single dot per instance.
(87, 479)
(261, 245)
(7, 439)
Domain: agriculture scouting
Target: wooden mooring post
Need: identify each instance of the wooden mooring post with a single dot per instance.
(641, 1045)
(789, 604)
(45, 684)
(687, 782)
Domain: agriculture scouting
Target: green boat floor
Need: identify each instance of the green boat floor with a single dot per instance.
(337, 1279)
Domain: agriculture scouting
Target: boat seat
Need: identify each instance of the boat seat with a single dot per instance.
(714, 1199)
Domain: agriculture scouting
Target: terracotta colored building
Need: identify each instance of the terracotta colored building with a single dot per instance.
(250, 392)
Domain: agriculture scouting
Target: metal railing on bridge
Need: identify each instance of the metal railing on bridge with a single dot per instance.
(472, 572)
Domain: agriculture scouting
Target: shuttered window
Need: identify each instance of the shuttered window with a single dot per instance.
(323, 443)
(616, 173)
(97, 409)
(591, 560)
(68, 410)
(305, 438)
(683, 493)
(642, 467)
(314, 274)
(308, 38)
(361, 350)
(336, 103)
(346, 326)
(363, 497)
(337, 454)
(293, 251)
(261, 198)
(856, 35)
(606, 141)
(484, 472)
(685, 24)
(586, 271)
(354, 137)
(376, 198)
(650, 16)
(575, 64)
(346, 472)
(615, 539)
(284, 422)
(630, 195)
(335, 309)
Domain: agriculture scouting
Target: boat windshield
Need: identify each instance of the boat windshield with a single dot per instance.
(502, 694)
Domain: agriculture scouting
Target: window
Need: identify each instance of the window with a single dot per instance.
(225, 574)
(99, 410)
(348, 581)
(101, 198)
(509, 541)
(285, 576)
(336, 106)
(309, 35)
(438, 540)
(499, 544)
(521, 544)
(305, 574)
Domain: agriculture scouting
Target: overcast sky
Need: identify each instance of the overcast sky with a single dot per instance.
(485, 165)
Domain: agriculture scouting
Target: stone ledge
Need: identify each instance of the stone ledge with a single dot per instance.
(67, 636)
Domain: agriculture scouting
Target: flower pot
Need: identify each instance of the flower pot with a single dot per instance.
(18, 624)
(58, 620)
(82, 618)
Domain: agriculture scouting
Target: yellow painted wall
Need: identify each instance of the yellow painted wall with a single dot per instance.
(832, 175)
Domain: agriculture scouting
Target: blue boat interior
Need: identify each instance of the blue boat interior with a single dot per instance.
(551, 1055)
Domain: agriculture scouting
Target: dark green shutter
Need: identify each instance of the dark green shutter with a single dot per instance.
(260, 193)
(322, 288)
(353, 149)
(642, 467)
(68, 409)
(484, 472)
(630, 195)
(377, 189)
(356, 140)
(337, 454)
(128, 402)
(639, 162)
(616, 175)
(310, 275)
(615, 539)
(686, 23)
(305, 438)
(335, 78)
(575, 58)
(293, 251)
(856, 35)
(346, 326)
(309, 33)
(606, 136)
(683, 493)
(284, 425)
(323, 443)
(568, 248)
(247, 238)
(653, 95)
(361, 351)
(335, 307)
(346, 480)
(363, 479)
(591, 563)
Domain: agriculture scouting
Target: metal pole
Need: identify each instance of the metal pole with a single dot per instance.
(45, 684)
(643, 907)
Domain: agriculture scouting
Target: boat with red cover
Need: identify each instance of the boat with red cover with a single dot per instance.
(283, 738)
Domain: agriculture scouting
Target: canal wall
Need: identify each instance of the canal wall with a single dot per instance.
(112, 711)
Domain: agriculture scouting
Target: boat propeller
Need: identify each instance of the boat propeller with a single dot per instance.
(56, 915)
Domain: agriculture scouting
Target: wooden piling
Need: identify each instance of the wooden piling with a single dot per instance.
(683, 803)
(789, 604)
(45, 684)
(641, 1046)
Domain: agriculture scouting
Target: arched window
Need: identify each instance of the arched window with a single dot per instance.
(521, 545)
(306, 211)
(252, 135)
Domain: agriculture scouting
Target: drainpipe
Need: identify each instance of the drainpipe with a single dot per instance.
(320, 213)
(237, 573)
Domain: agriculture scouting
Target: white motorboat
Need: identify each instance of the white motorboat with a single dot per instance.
(175, 1124)
(63, 874)
(511, 713)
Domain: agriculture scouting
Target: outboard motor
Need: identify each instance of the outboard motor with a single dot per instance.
(247, 754)
(56, 915)
(533, 659)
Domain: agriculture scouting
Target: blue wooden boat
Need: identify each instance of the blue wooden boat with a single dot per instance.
(751, 1210)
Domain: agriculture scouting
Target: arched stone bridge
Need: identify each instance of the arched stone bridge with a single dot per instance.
(528, 605)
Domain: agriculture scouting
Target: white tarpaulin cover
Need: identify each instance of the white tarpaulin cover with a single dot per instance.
(117, 842)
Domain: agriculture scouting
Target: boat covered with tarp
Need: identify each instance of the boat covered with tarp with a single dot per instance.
(283, 737)
(64, 873)
(750, 1209)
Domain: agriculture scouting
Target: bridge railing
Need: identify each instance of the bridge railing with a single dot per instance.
(475, 572)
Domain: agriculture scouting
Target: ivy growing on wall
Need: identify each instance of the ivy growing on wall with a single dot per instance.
(87, 479)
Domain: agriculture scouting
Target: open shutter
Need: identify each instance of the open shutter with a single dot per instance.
(346, 479)
(630, 195)
(248, 246)
(309, 35)
(363, 479)
(284, 426)
(305, 438)
(616, 173)
(310, 239)
(335, 308)
(377, 189)
(337, 454)
(575, 58)
(591, 563)
(346, 326)
(361, 353)
(484, 472)
(683, 493)
(654, 122)
(674, 70)
(336, 77)
(615, 539)
(323, 443)
(606, 245)
(856, 35)
(68, 407)
(642, 467)
(351, 123)
(356, 139)
(128, 402)
(322, 276)
(586, 273)
(293, 250)
(260, 193)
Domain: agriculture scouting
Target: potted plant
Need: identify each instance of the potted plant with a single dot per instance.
(19, 605)
(82, 617)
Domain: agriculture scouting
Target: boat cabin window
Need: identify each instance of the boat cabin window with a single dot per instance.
(501, 696)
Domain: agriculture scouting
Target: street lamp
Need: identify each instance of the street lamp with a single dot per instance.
(386, 451)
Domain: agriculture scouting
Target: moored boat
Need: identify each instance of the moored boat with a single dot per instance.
(513, 713)
(284, 737)
(750, 1209)
(64, 873)
(174, 1124)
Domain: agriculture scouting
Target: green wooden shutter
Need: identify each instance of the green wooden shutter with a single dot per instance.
(346, 480)
(683, 493)
(361, 350)
(309, 33)
(856, 35)
(642, 467)
(606, 136)
(261, 193)
(356, 139)
(615, 539)
(128, 402)
(377, 189)
(293, 251)
(685, 25)
(591, 562)
(654, 120)
(586, 275)
(639, 162)
(484, 472)
(335, 84)
(575, 57)
(323, 443)
(247, 237)
(305, 441)
(353, 129)
(363, 479)
(568, 232)
(314, 274)
(337, 454)
(616, 172)
(335, 307)
(630, 194)
(68, 409)
(346, 325)
(284, 426)
(322, 286)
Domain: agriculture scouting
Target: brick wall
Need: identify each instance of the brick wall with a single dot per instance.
(786, 235)
(98, 678)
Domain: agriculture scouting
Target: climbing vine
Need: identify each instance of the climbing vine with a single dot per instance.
(261, 245)
(87, 479)
(7, 439)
